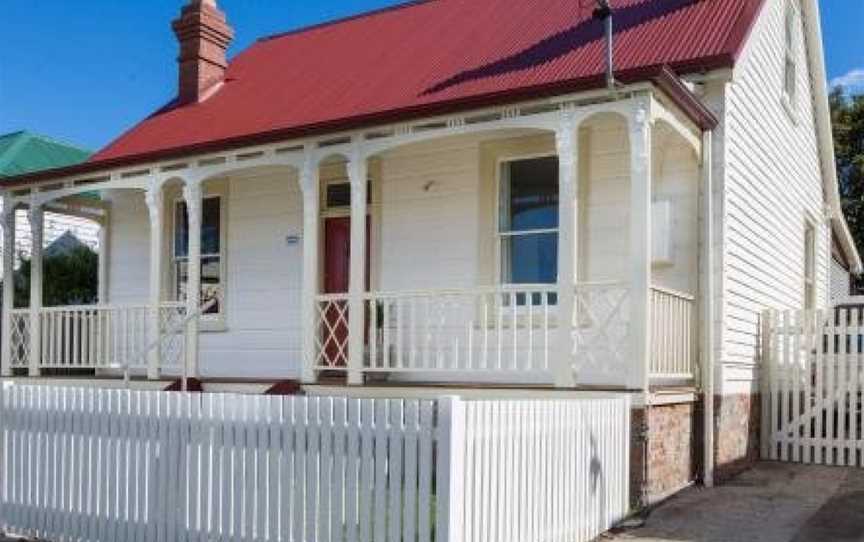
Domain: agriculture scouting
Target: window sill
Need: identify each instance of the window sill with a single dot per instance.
(212, 326)
(790, 109)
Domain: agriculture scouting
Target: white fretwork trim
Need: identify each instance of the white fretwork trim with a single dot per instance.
(543, 115)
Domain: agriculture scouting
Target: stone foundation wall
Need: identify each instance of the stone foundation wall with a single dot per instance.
(736, 434)
(666, 445)
(671, 448)
(664, 451)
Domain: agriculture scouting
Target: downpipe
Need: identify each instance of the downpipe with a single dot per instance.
(603, 12)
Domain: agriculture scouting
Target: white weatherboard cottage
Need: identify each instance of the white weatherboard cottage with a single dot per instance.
(574, 237)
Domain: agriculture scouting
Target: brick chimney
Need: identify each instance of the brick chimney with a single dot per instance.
(204, 36)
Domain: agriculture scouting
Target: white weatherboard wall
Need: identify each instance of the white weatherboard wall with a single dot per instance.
(262, 331)
(773, 181)
(428, 219)
(128, 234)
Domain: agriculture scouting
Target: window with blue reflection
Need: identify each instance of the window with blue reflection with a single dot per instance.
(528, 225)
(211, 252)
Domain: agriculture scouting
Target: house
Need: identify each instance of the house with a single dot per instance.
(25, 152)
(457, 196)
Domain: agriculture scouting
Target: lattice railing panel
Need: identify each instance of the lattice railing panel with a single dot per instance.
(172, 347)
(602, 327)
(331, 335)
(20, 338)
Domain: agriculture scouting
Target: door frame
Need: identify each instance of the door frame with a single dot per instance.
(373, 221)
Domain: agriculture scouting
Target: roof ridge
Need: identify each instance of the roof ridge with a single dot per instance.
(348, 18)
(14, 134)
(56, 141)
(23, 137)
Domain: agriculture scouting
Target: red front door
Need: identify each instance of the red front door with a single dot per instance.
(337, 263)
(337, 254)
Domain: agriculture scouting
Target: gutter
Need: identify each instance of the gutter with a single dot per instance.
(816, 59)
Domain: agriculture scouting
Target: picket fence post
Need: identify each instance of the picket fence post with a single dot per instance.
(450, 469)
(765, 381)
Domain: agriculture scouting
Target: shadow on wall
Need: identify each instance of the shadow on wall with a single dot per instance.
(563, 43)
(598, 481)
(737, 423)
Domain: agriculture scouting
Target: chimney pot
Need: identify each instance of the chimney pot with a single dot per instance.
(204, 36)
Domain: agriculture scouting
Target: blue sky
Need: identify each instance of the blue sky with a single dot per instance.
(84, 71)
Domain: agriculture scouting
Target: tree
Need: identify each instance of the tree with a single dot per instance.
(847, 117)
(69, 278)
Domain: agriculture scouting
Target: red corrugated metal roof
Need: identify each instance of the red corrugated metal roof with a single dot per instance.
(433, 55)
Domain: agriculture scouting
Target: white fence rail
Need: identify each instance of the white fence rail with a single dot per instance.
(105, 465)
(813, 386)
(97, 336)
(545, 470)
(673, 334)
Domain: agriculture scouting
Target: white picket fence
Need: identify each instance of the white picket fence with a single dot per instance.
(108, 465)
(813, 386)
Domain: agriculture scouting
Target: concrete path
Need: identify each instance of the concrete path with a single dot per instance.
(772, 503)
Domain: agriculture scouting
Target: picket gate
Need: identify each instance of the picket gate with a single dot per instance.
(104, 465)
(812, 386)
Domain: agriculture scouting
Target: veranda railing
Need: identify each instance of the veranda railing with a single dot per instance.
(673, 334)
(92, 337)
(507, 330)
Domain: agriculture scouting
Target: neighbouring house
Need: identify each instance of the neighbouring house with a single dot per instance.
(24, 152)
(454, 197)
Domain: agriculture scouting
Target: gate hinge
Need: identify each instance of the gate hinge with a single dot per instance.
(640, 433)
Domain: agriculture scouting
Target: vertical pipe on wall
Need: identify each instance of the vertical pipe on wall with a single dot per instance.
(707, 365)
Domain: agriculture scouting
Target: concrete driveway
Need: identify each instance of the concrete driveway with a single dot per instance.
(772, 503)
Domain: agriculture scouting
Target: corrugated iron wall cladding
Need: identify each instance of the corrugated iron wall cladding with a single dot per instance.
(437, 52)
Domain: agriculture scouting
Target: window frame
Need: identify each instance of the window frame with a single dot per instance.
(208, 322)
(810, 274)
(500, 162)
(791, 24)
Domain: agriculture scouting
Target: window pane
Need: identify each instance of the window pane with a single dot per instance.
(530, 259)
(181, 225)
(212, 286)
(790, 25)
(211, 219)
(210, 226)
(529, 195)
(789, 79)
(338, 195)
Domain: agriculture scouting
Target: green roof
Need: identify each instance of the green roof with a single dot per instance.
(24, 152)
